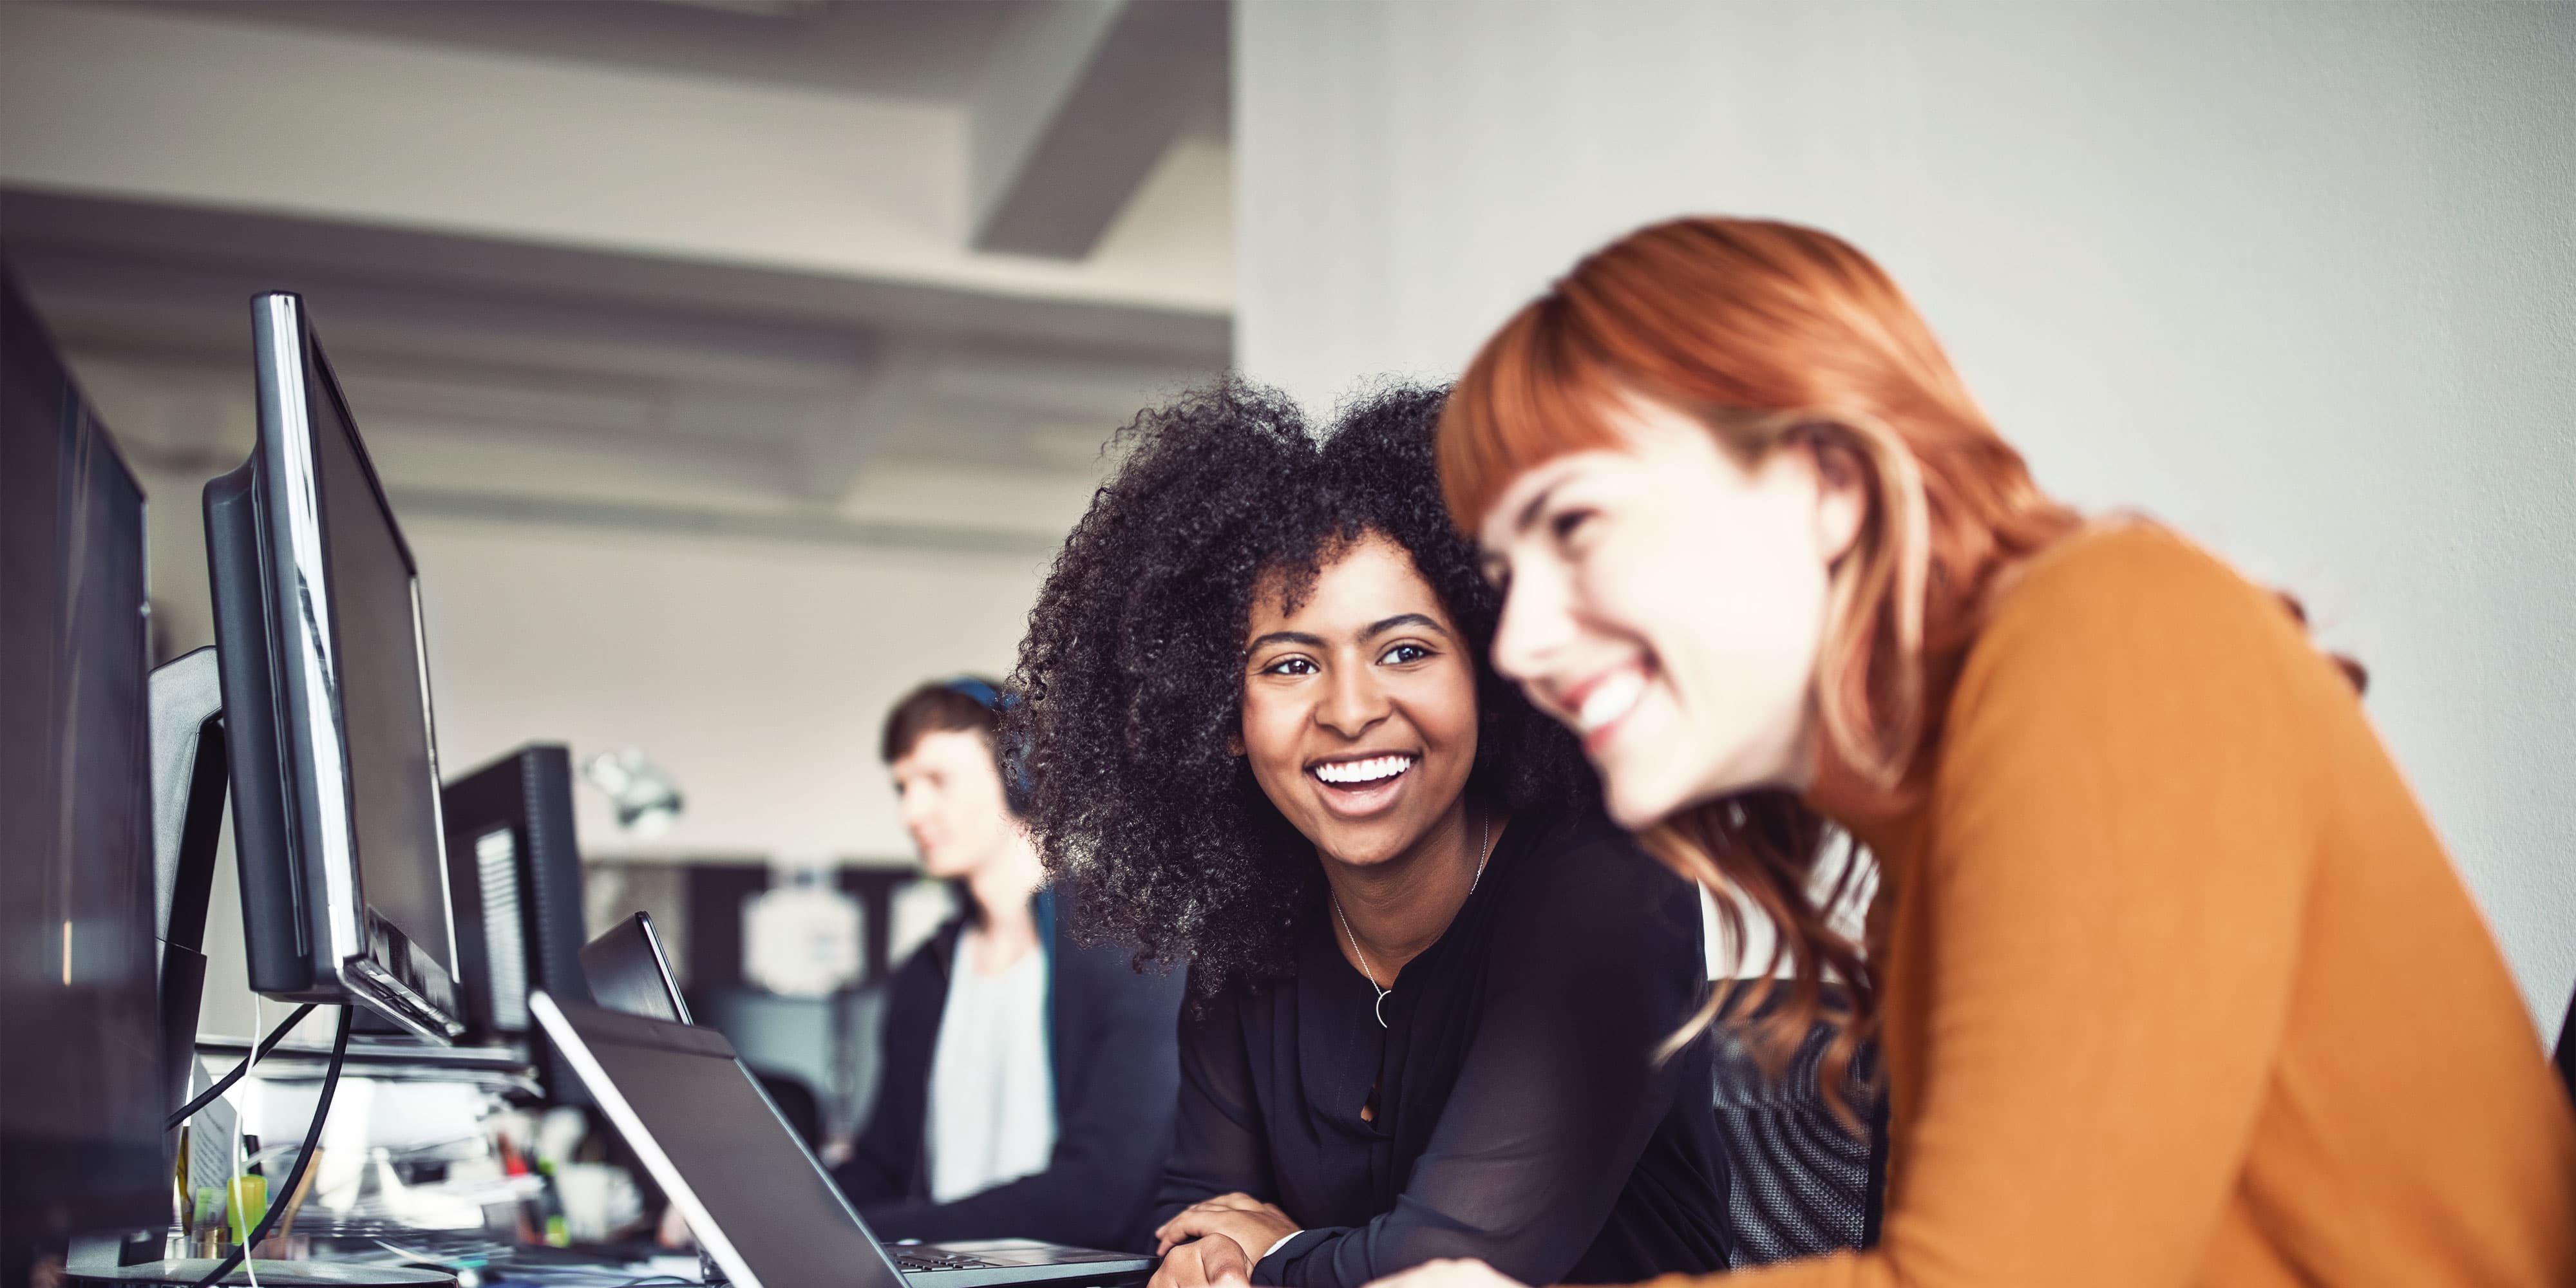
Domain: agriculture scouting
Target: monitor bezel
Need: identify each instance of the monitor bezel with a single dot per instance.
(366, 957)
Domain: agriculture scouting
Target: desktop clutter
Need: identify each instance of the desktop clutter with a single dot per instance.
(470, 1093)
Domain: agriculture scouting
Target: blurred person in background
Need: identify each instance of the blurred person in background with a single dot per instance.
(1429, 981)
(1027, 1082)
(2176, 983)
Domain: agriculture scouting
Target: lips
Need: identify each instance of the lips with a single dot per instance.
(1362, 773)
(1358, 786)
(1601, 702)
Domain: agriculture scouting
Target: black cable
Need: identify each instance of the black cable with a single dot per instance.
(312, 1144)
(224, 1084)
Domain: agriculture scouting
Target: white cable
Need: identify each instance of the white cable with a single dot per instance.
(233, 1213)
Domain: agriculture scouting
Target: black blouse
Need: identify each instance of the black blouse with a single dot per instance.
(1520, 1115)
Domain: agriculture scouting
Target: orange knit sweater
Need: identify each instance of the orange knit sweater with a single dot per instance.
(2180, 987)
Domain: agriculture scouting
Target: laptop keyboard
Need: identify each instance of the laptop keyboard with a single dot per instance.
(908, 1259)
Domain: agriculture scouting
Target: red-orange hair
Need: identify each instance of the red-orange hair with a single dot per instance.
(1772, 333)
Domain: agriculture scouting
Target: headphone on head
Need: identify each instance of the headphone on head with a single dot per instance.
(980, 689)
(1012, 759)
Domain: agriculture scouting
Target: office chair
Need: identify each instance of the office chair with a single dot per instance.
(796, 1102)
(1799, 1184)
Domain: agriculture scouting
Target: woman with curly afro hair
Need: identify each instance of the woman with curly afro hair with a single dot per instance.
(1428, 981)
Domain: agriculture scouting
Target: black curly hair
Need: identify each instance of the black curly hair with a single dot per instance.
(1131, 677)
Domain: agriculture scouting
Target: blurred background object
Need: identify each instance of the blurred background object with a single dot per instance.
(801, 937)
(647, 801)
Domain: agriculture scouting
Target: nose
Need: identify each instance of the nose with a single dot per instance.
(911, 806)
(1352, 701)
(1538, 619)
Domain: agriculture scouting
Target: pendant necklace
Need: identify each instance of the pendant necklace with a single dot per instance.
(1485, 851)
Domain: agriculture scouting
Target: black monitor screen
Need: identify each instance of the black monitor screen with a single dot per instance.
(384, 711)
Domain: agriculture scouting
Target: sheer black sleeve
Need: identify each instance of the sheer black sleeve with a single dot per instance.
(1218, 1144)
(1596, 959)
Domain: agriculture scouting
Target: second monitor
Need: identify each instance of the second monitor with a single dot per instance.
(326, 698)
(515, 868)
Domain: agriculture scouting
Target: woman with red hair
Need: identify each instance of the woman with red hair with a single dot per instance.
(2173, 980)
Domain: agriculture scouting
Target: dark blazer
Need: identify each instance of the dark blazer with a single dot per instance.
(1111, 1048)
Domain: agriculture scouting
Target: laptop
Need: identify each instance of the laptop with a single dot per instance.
(758, 1201)
(627, 971)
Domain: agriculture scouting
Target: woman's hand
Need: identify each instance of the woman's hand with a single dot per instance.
(1446, 1274)
(1251, 1223)
(1204, 1263)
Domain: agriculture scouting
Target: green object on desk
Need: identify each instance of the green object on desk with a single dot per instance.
(249, 1204)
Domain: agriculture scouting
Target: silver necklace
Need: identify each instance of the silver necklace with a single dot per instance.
(1485, 851)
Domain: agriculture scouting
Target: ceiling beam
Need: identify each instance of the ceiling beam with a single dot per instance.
(553, 385)
(841, 439)
(1081, 100)
(76, 235)
(695, 521)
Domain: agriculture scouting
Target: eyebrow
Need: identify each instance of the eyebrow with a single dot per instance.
(1529, 512)
(1378, 628)
(1371, 631)
(1284, 637)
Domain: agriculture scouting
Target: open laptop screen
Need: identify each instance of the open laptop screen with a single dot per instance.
(627, 972)
(749, 1189)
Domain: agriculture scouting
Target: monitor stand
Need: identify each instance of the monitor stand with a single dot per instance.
(189, 781)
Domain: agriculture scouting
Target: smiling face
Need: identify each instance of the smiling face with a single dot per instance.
(1667, 602)
(1359, 708)
(949, 793)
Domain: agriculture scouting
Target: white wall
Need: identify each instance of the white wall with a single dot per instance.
(757, 673)
(2297, 277)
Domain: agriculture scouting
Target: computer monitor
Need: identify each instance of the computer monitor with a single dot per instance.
(515, 869)
(81, 1146)
(335, 790)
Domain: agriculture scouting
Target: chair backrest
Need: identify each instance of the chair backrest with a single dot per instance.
(796, 1103)
(1799, 1183)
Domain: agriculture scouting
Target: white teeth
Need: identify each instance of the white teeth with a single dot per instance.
(1609, 700)
(1373, 769)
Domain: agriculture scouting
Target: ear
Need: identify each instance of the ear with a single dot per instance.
(1842, 494)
